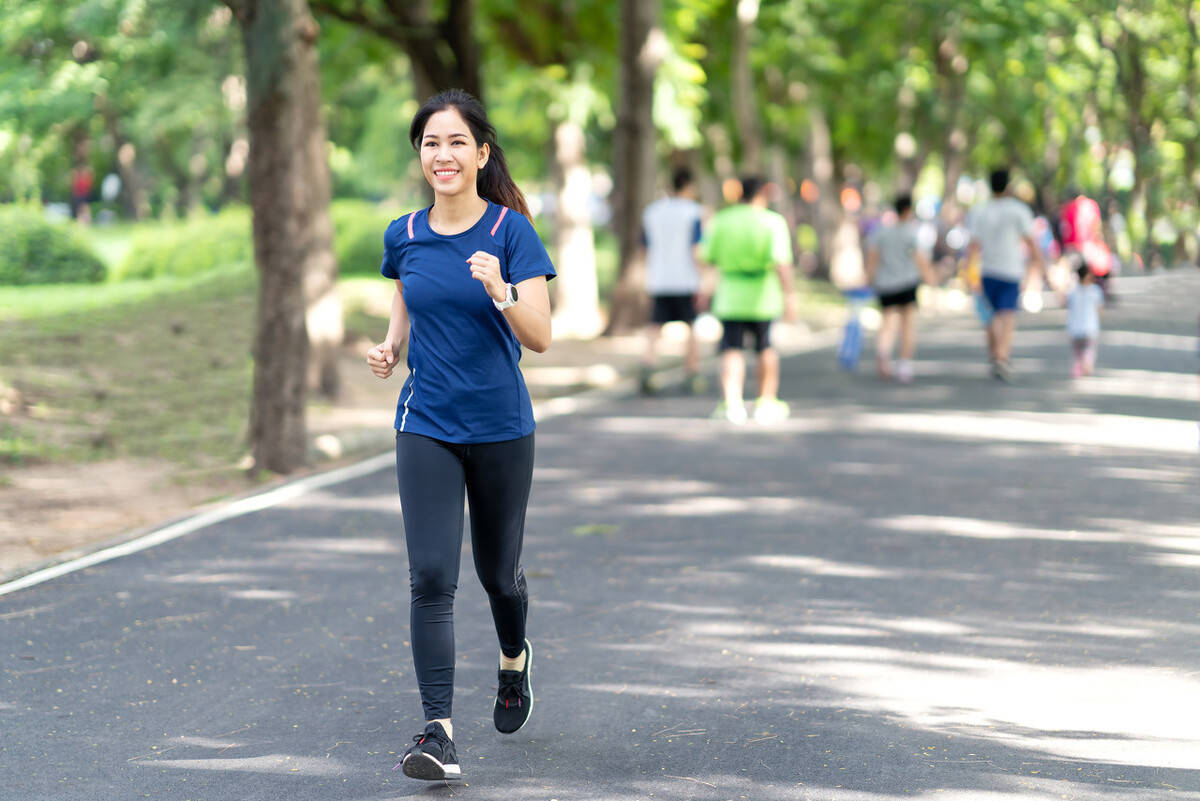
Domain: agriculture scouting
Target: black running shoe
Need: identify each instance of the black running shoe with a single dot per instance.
(514, 696)
(432, 756)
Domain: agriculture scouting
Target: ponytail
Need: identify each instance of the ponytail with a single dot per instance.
(493, 182)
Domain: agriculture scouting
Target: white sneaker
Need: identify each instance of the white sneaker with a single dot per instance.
(734, 414)
(770, 410)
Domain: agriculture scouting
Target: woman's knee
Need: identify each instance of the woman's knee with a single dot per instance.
(431, 581)
(508, 587)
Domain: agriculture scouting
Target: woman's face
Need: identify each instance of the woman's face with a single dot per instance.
(450, 156)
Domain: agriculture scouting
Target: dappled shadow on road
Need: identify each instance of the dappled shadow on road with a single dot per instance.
(815, 616)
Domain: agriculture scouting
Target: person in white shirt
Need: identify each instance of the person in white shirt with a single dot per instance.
(998, 230)
(671, 235)
(895, 268)
(1083, 320)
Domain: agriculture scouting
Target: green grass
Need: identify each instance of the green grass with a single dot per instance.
(157, 368)
(110, 242)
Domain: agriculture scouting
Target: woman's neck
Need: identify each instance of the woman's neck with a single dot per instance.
(453, 215)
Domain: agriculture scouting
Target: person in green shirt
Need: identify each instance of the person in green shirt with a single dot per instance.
(749, 250)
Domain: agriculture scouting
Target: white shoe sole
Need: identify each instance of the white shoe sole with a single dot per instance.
(423, 766)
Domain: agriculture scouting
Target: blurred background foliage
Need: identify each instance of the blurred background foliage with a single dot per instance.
(146, 100)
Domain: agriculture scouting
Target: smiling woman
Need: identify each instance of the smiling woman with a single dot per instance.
(471, 277)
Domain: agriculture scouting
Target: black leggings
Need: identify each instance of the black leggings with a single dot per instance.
(434, 476)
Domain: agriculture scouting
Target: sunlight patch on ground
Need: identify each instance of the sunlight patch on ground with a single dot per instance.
(1106, 430)
(1121, 714)
(989, 529)
(263, 595)
(1137, 384)
(815, 566)
(388, 502)
(209, 578)
(350, 545)
(1162, 475)
(1181, 542)
(691, 609)
(283, 764)
(718, 505)
(652, 690)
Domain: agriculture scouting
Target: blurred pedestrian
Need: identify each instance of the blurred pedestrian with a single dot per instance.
(750, 249)
(671, 232)
(1084, 303)
(471, 289)
(895, 268)
(1082, 233)
(82, 182)
(998, 229)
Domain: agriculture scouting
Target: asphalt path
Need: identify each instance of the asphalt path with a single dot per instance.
(952, 590)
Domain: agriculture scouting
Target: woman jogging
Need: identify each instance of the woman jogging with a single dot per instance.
(471, 290)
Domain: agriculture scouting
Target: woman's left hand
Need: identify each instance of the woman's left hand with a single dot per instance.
(485, 268)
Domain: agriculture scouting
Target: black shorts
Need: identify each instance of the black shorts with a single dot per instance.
(669, 308)
(734, 335)
(903, 297)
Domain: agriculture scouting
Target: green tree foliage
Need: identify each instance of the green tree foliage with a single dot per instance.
(152, 86)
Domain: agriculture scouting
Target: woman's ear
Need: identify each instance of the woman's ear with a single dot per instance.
(485, 152)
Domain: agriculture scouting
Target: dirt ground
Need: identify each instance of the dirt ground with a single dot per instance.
(53, 512)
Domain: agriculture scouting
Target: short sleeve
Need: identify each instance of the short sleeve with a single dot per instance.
(524, 252)
(393, 246)
(781, 241)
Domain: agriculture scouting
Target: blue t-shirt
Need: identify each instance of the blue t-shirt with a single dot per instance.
(464, 385)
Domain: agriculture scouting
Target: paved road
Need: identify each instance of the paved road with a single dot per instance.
(953, 590)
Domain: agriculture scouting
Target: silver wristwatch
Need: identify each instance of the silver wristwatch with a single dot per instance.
(510, 298)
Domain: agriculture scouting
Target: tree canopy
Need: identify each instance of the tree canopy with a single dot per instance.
(1099, 95)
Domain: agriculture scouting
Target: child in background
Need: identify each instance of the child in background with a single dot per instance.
(1083, 320)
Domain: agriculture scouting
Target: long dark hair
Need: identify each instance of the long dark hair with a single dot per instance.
(493, 181)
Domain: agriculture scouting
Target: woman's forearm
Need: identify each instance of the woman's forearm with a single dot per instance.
(529, 318)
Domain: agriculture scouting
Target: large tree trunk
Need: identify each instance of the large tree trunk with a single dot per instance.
(951, 64)
(289, 192)
(642, 49)
(828, 212)
(744, 112)
(577, 303)
(1191, 148)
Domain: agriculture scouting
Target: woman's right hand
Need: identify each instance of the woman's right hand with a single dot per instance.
(383, 357)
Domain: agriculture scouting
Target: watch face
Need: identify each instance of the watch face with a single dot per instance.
(512, 291)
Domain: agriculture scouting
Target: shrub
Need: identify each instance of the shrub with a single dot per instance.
(224, 239)
(358, 229)
(36, 251)
(196, 246)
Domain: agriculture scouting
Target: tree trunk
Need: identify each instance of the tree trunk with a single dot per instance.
(744, 112)
(828, 216)
(577, 303)
(641, 51)
(951, 65)
(289, 193)
(780, 173)
(133, 194)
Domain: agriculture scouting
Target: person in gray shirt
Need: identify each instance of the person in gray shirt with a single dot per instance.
(895, 267)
